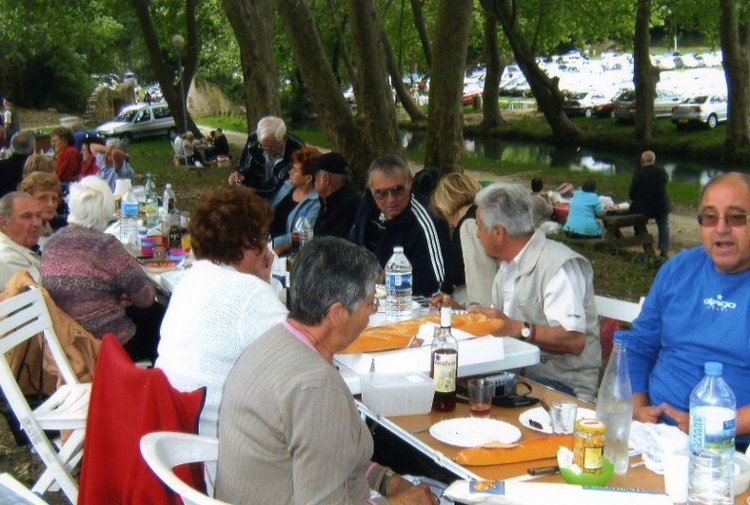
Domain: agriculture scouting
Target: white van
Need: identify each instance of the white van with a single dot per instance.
(140, 120)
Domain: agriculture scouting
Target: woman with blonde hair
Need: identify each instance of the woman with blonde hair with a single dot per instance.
(453, 200)
(46, 189)
(38, 162)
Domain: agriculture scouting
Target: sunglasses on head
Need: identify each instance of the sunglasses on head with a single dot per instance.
(395, 191)
(710, 219)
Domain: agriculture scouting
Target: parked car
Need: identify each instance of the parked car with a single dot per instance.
(707, 110)
(664, 101)
(140, 120)
(584, 103)
(471, 90)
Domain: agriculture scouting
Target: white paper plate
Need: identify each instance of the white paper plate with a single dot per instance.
(541, 416)
(472, 431)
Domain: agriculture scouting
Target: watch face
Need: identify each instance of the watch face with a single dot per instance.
(526, 332)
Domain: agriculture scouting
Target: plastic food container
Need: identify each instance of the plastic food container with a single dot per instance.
(398, 394)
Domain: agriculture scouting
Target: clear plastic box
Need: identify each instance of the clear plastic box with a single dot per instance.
(398, 394)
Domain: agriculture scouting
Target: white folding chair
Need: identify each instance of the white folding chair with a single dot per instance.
(164, 450)
(22, 317)
(621, 310)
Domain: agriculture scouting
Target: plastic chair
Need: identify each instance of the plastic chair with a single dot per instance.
(22, 317)
(613, 311)
(164, 450)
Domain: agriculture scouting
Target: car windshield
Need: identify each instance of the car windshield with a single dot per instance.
(697, 99)
(578, 96)
(627, 96)
(126, 116)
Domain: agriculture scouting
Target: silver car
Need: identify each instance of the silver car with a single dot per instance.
(664, 101)
(706, 110)
(140, 120)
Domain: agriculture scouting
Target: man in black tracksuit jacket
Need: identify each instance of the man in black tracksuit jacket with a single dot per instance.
(390, 215)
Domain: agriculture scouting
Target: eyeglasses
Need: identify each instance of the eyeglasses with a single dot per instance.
(709, 220)
(395, 191)
(273, 147)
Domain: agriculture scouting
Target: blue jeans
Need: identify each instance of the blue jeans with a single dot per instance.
(662, 223)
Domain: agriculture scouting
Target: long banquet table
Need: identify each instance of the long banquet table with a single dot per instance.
(411, 430)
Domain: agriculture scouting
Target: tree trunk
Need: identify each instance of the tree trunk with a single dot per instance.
(545, 90)
(404, 94)
(444, 145)
(491, 117)
(252, 23)
(416, 9)
(735, 48)
(335, 117)
(645, 76)
(163, 71)
(375, 102)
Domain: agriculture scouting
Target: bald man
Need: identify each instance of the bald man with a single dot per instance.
(648, 195)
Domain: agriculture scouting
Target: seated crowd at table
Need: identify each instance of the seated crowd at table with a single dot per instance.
(287, 427)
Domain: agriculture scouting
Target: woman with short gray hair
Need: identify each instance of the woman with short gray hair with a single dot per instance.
(289, 431)
(93, 278)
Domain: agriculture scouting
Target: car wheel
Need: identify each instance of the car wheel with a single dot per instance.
(712, 121)
(588, 112)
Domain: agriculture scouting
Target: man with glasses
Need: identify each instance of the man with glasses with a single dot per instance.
(697, 311)
(648, 195)
(267, 157)
(398, 218)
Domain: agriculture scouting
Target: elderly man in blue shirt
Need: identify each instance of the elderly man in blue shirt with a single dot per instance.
(112, 159)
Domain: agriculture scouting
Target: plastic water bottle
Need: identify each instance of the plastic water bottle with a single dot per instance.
(713, 418)
(129, 219)
(152, 202)
(398, 281)
(614, 406)
(302, 232)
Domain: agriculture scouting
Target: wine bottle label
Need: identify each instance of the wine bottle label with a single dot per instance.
(444, 372)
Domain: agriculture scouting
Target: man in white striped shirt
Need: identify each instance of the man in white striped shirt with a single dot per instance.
(391, 216)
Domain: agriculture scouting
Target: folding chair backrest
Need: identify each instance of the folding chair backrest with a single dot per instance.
(164, 450)
(621, 310)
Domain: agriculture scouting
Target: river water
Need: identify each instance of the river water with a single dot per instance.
(579, 158)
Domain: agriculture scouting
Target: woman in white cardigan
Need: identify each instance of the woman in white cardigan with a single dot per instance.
(224, 302)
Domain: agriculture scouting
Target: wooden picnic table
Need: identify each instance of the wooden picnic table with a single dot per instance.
(613, 236)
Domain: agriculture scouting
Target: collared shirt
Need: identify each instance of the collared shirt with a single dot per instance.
(15, 257)
(563, 299)
(110, 174)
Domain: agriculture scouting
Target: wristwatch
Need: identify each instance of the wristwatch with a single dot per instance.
(527, 332)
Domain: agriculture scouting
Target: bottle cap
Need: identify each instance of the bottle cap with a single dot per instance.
(712, 368)
(398, 249)
(620, 338)
(445, 317)
(593, 426)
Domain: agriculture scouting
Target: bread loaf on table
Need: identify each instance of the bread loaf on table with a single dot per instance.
(398, 335)
(530, 450)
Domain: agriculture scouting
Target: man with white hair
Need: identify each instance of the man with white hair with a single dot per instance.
(267, 157)
(544, 292)
(20, 228)
(11, 169)
(113, 161)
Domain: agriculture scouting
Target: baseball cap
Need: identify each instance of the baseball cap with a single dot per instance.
(333, 163)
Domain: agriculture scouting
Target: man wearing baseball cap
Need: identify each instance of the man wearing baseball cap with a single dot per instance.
(339, 202)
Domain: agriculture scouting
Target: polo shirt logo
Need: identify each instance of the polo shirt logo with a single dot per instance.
(719, 303)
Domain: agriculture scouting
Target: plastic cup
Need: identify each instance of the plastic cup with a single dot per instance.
(676, 476)
(480, 397)
(563, 417)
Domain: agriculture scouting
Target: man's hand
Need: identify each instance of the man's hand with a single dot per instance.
(490, 312)
(443, 300)
(409, 494)
(236, 178)
(648, 413)
(680, 417)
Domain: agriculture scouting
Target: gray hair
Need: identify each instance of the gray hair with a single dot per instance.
(91, 203)
(271, 125)
(8, 201)
(507, 205)
(389, 165)
(329, 270)
(745, 178)
(117, 144)
(23, 142)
